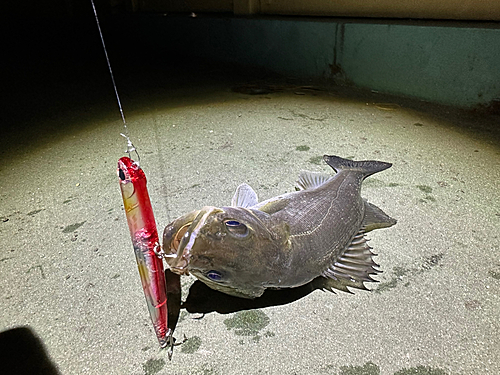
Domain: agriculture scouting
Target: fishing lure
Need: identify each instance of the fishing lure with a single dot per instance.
(144, 235)
(142, 225)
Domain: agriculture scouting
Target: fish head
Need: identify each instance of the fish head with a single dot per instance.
(234, 250)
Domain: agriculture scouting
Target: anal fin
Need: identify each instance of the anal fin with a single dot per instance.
(353, 267)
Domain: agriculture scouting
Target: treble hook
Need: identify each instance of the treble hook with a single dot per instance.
(172, 343)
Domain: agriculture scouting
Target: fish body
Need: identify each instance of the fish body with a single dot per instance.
(286, 241)
(144, 236)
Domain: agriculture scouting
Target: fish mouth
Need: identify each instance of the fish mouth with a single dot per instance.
(181, 242)
(178, 260)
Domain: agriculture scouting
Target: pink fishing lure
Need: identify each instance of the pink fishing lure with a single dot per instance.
(144, 235)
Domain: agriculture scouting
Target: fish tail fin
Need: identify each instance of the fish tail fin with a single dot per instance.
(367, 167)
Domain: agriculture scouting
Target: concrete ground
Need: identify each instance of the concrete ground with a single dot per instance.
(67, 267)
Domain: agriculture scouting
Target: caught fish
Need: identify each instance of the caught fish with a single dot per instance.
(144, 235)
(285, 241)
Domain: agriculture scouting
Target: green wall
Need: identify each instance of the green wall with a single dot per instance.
(450, 63)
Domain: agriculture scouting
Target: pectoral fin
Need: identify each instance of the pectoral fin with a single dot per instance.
(244, 196)
(273, 206)
(353, 267)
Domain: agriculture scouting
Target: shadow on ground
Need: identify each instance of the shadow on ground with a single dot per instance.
(203, 300)
(22, 352)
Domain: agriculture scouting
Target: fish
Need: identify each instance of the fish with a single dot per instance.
(144, 234)
(285, 241)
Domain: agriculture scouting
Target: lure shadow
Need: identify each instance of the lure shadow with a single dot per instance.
(202, 299)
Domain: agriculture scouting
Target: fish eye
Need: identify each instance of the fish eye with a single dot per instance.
(236, 228)
(214, 275)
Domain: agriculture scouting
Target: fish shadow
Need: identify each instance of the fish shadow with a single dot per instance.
(203, 300)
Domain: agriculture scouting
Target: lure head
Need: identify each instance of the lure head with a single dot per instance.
(129, 171)
(136, 200)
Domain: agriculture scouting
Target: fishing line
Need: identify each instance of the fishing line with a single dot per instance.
(125, 134)
(130, 147)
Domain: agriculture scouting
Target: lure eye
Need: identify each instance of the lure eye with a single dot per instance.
(121, 174)
(214, 275)
(236, 228)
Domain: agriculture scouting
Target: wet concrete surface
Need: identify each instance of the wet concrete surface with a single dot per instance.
(67, 266)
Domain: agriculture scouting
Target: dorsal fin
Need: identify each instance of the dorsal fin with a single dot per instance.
(375, 218)
(311, 180)
(353, 267)
(244, 196)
